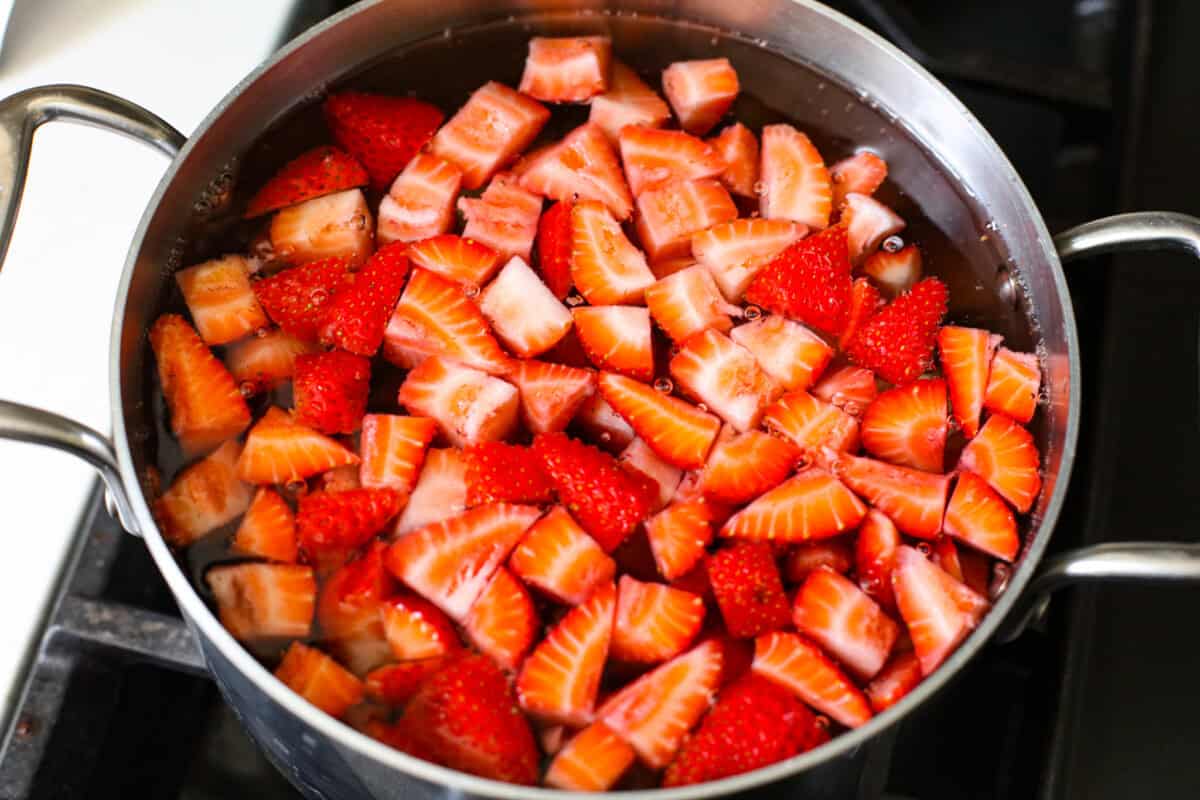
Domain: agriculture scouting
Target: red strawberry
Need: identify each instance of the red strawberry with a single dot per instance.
(976, 515)
(944, 553)
(416, 629)
(1012, 387)
(653, 621)
(811, 424)
(559, 558)
(618, 338)
(355, 319)
(792, 355)
(604, 425)
(469, 405)
(743, 466)
(670, 214)
(875, 557)
(914, 500)
(795, 183)
(678, 536)
(898, 677)
(605, 266)
(861, 173)
(700, 92)
(502, 624)
(320, 171)
(628, 101)
(281, 450)
(748, 589)
(607, 500)
(420, 202)
(220, 300)
(896, 272)
(393, 450)
(504, 217)
(809, 282)
(319, 679)
(464, 261)
(897, 343)
(296, 298)
(203, 497)
(795, 663)
(348, 611)
(804, 559)
(395, 684)
(440, 493)
(640, 457)
(505, 473)
(331, 391)
(849, 388)
(739, 150)
(845, 621)
(908, 425)
(264, 601)
(382, 132)
(687, 302)
(550, 393)
(868, 222)
(524, 313)
(330, 524)
(966, 355)
(554, 248)
(567, 69)
(864, 304)
(654, 157)
(1004, 455)
(268, 530)
(592, 761)
(263, 361)
(334, 226)
(734, 252)
(938, 611)
(583, 166)
(724, 377)
(676, 430)
(811, 505)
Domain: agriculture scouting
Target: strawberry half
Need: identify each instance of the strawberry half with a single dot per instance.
(914, 500)
(797, 664)
(897, 343)
(417, 629)
(792, 355)
(976, 515)
(966, 356)
(490, 129)
(319, 679)
(908, 425)
(554, 245)
(654, 157)
(382, 132)
(1004, 455)
(331, 391)
(811, 505)
(264, 601)
(464, 261)
(841, 618)
(617, 338)
(296, 298)
(725, 377)
(811, 424)
(332, 524)
(268, 530)
(809, 282)
(739, 150)
(678, 536)
(675, 429)
(220, 300)
(567, 69)
(653, 621)
(498, 472)
(393, 449)
(605, 266)
(420, 202)
(592, 761)
(550, 393)
(583, 166)
(734, 252)
(356, 317)
(897, 678)
(559, 558)
(875, 549)
(628, 101)
(503, 624)
(861, 173)
(744, 465)
(938, 611)
(320, 171)
(795, 183)
(203, 497)
(1012, 386)
(687, 302)
(829, 554)
(280, 450)
(700, 92)
(745, 581)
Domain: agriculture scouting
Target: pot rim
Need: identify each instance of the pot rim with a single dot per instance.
(203, 620)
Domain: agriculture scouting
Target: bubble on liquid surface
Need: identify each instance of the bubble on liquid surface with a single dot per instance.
(893, 244)
(752, 313)
(664, 385)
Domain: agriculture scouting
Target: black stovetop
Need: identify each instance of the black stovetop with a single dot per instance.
(1095, 102)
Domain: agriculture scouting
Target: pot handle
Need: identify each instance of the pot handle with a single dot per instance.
(20, 116)
(1115, 562)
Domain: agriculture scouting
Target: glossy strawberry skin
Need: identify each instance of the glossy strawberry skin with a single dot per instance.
(897, 343)
(809, 282)
(382, 132)
(498, 472)
(746, 582)
(296, 298)
(358, 314)
(331, 524)
(331, 391)
(320, 171)
(554, 248)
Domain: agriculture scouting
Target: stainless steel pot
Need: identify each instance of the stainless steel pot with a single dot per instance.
(812, 64)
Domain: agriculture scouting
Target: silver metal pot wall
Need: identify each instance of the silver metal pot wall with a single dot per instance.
(788, 52)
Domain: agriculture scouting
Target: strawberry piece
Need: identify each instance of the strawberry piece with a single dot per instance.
(469, 405)
(861, 173)
(898, 677)
(796, 664)
(261, 362)
(914, 500)
(875, 549)
(966, 356)
(561, 677)
(1013, 383)
(864, 304)
(665, 476)
(559, 558)
(811, 424)
(296, 298)
(607, 500)
(811, 505)
(753, 724)
(348, 611)
(678, 536)
(748, 590)
(463, 261)
(739, 150)
(417, 629)
(593, 761)
(551, 394)
(220, 299)
(604, 425)
(628, 101)
(567, 69)
(850, 388)
(896, 272)
(654, 622)
(934, 606)
(654, 157)
(675, 430)
(203, 399)
(504, 217)
(670, 214)
(605, 266)
(334, 226)
(341, 479)
(554, 243)
(314, 173)
(583, 166)
(490, 129)
(335, 523)
(395, 684)
(907, 425)
(795, 183)
(1004, 455)
(382, 132)
(617, 338)
(789, 353)
(976, 515)
(700, 92)
(868, 222)
(805, 559)
(331, 391)
(268, 530)
(280, 450)
(264, 601)
(420, 202)
(524, 313)
(393, 450)
(944, 553)
(502, 624)
(725, 377)
(319, 679)
(450, 562)
(440, 493)
(845, 621)
(809, 282)
(897, 343)
(203, 497)
(505, 473)
(655, 712)
(735, 252)
(688, 302)
(465, 717)
(744, 465)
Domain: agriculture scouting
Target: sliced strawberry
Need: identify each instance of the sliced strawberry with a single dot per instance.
(734, 252)
(804, 559)
(559, 558)
(593, 761)
(203, 399)
(944, 553)
(739, 150)
(810, 424)
(896, 272)
(356, 317)
(281, 450)
(864, 304)
(203, 497)
(440, 493)
(861, 173)
(845, 621)
(296, 298)
(605, 266)
(608, 501)
(795, 183)
(1005, 456)
(551, 393)
(524, 313)
(745, 581)
(567, 69)
(811, 505)
(382, 132)
(725, 377)
(868, 222)
(554, 244)
(561, 677)
(502, 624)
(319, 679)
(463, 261)
(976, 515)
(914, 500)
(700, 92)
(789, 353)
(604, 425)
(654, 157)
(340, 479)
(897, 343)
(498, 472)
(417, 629)
(898, 677)
(675, 429)
(793, 662)
(264, 601)
(334, 226)
(330, 525)
(907, 425)
(490, 129)
(504, 217)
(220, 299)
(655, 712)
(320, 171)
(395, 684)
(966, 356)
(809, 282)
(1013, 383)
(850, 388)
(679, 535)
(617, 338)
(268, 530)
(665, 475)
(420, 202)
(654, 622)
(261, 362)
(744, 465)
(628, 101)
(393, 450)
(450, 562)
(669, 215)
(436, 317)
(688, 302)
(875, 549)
(331, 391)
(933, 607)
(348, 611)
(583, 166)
